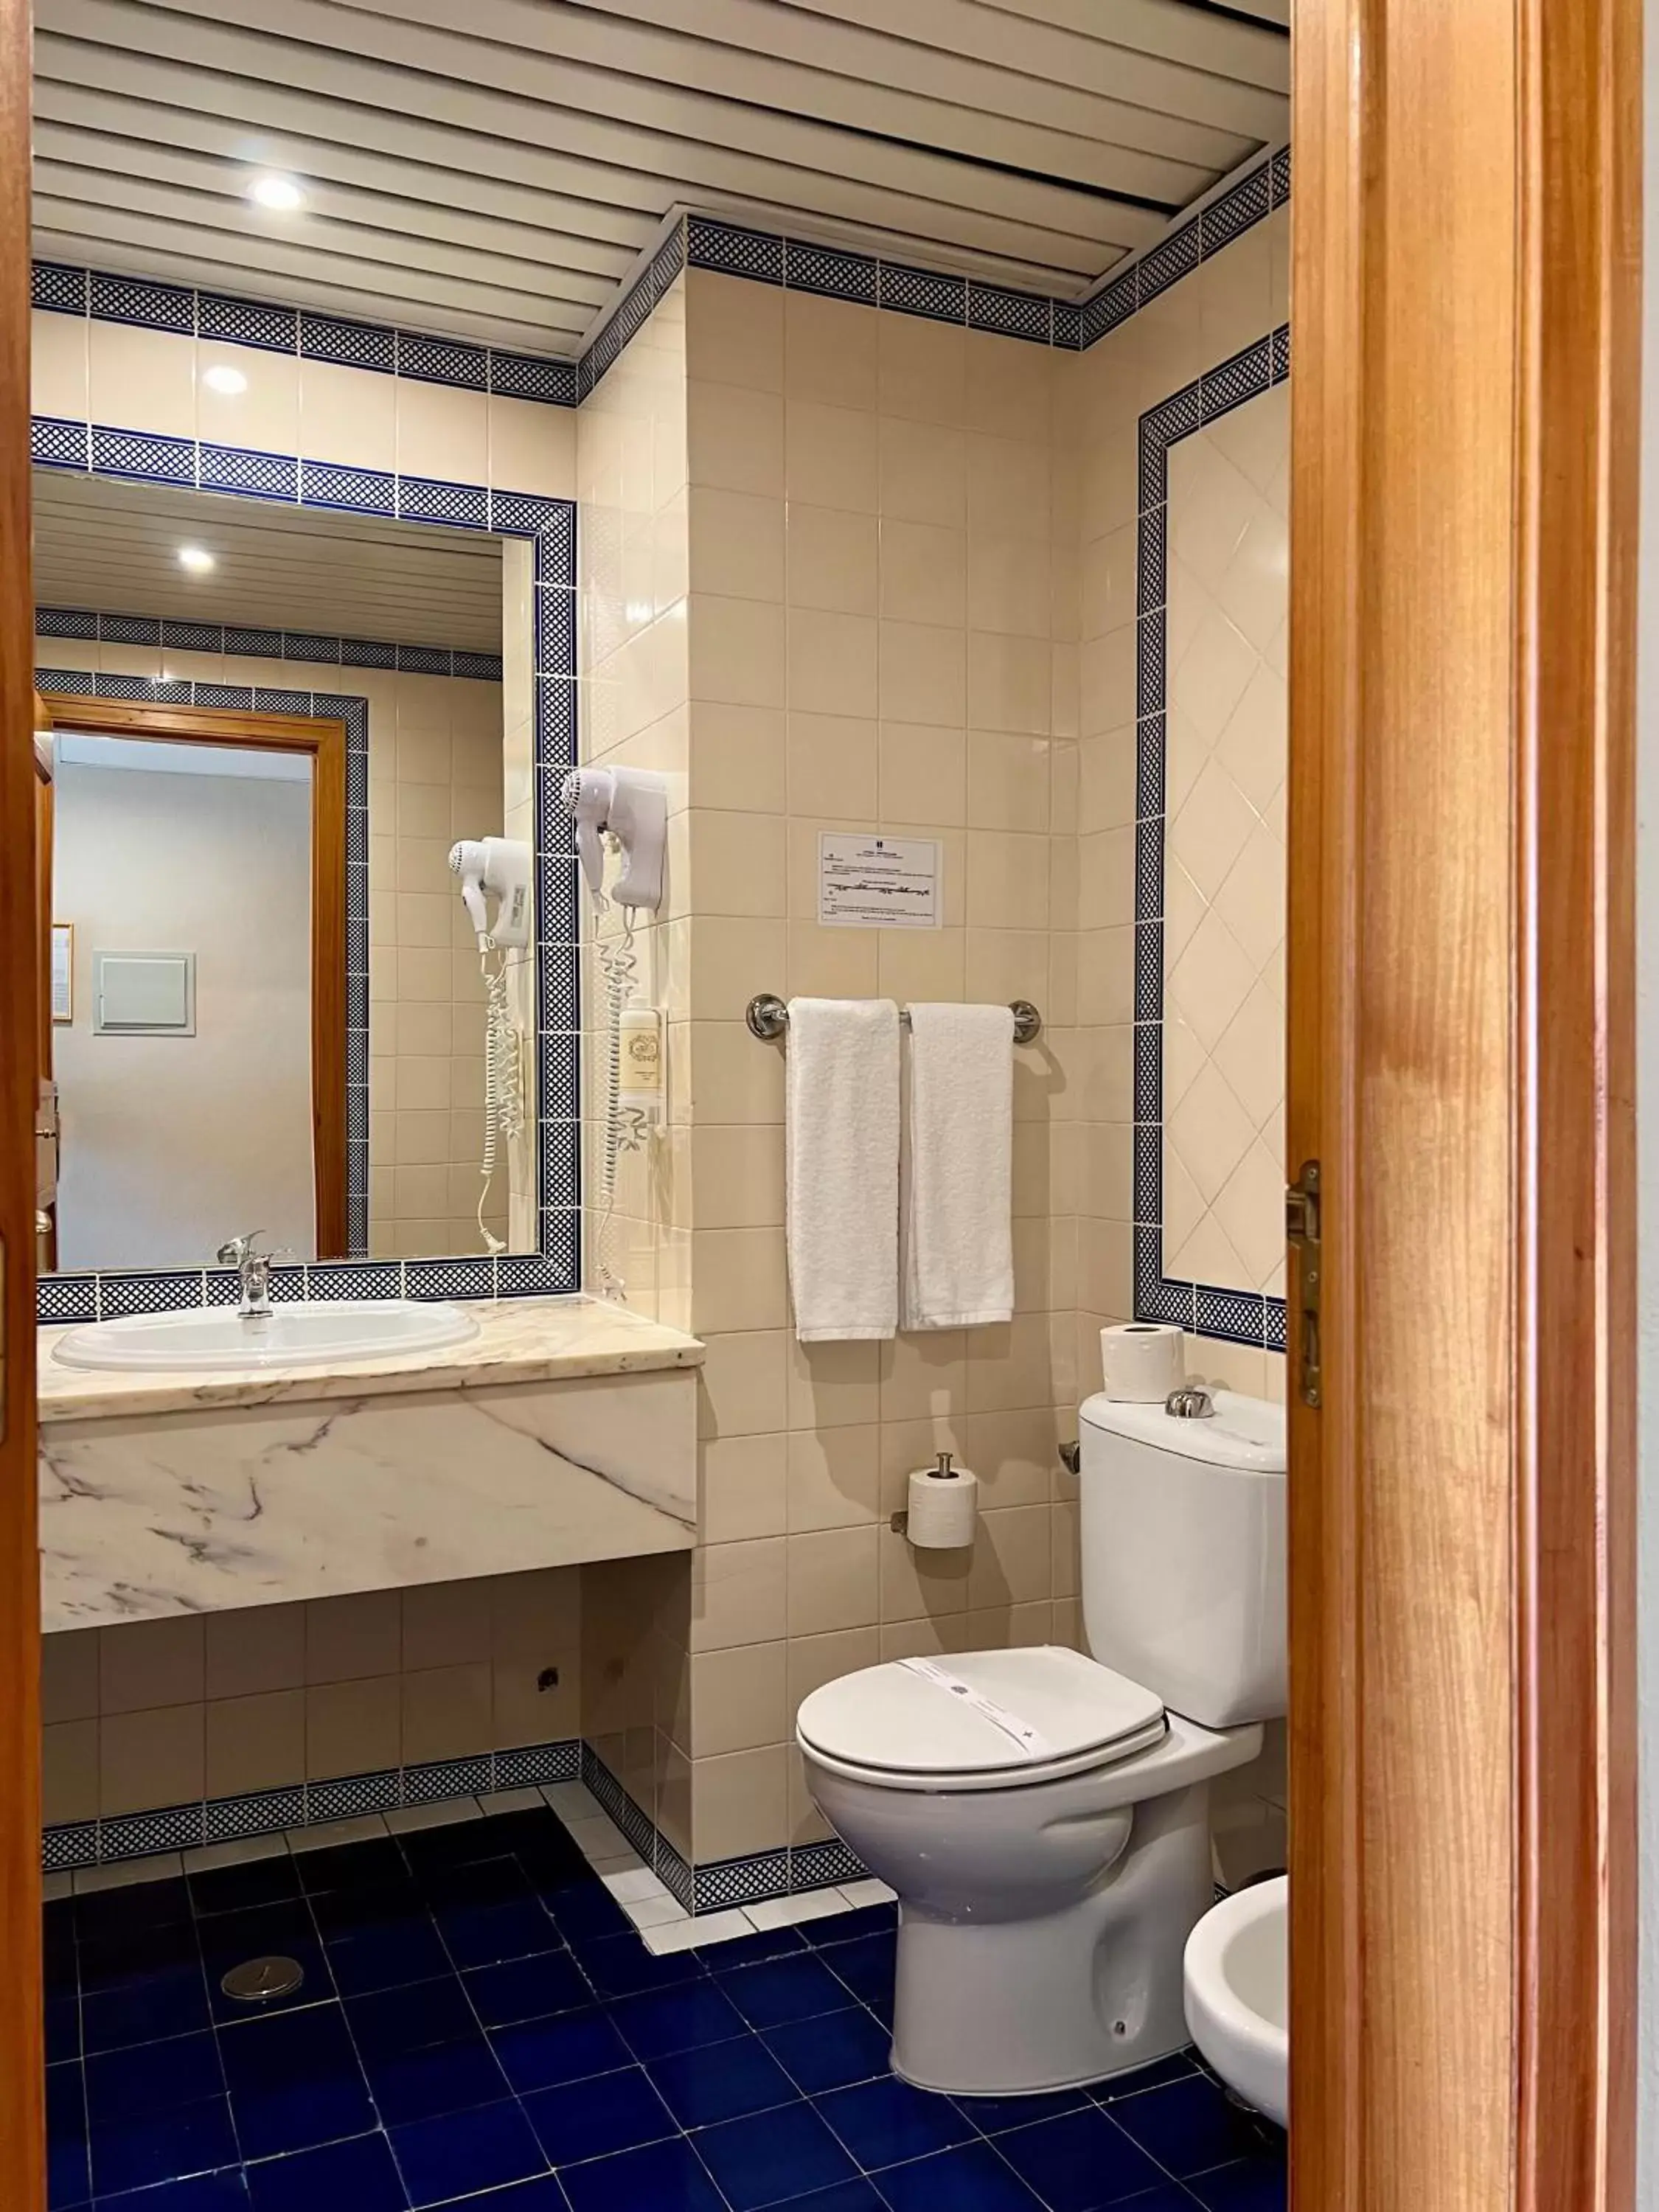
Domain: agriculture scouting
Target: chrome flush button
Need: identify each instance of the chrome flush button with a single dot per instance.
(1191, 1403)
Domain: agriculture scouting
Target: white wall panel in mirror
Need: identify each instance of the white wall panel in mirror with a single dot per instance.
(1224, 881)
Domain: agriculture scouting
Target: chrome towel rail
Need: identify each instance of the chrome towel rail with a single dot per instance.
(768, 1018)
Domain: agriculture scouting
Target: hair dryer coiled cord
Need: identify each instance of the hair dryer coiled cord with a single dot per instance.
(619, 971)
(503, 1080)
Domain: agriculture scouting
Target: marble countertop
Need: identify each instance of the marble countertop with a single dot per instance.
(519, 1340)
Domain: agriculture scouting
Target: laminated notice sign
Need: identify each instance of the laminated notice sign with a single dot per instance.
(877, 883)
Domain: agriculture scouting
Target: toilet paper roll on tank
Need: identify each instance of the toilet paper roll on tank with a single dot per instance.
(1142, 1361)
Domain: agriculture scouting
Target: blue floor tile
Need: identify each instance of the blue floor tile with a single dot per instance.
(295, 2081)
(786, 1990)
(839, 1928)
(1180, 2067)
(845, 2196)
(394, 2021)
(361, 2175)
(970, 2179)
(236, 1888)
(866, 1967)
(153, 2078)
(208, 2192)
(887, 2122)
(372, 1867)
(139, 1905)
(666, 2176)
(1188, 2127)
(583, 1911)
(773, 2155)
(62, 2027)
(119, 1960)
(467, 2153)
(386, 1955)
(1250, 2184)
(581, 2120)
(656, 2026)
(482, 1934)
(831, 2049)
(994, 2116)
(721, 2081)
(527, 1988)
(621, 1966)
(1079, 2162)
(444, 2077)
(539, 2054)
(69, 2174)
(750, 1950)
(174, 2003)
(147, 2148)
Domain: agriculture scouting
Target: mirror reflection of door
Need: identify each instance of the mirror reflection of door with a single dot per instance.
(198, 859)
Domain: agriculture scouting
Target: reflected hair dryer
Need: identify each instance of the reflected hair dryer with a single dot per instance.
(632, 808)
(495, 868)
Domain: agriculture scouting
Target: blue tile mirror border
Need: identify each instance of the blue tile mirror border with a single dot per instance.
(87, 448)
(1204, 1309)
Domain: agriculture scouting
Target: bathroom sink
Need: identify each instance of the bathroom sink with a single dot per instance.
(298, 1335)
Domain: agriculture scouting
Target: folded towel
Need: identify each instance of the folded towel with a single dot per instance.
(959, 1258)
(843, 1152)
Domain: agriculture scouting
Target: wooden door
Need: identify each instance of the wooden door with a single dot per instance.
(1465, 296)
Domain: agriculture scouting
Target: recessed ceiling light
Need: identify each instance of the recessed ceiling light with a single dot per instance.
(222, 377)
(197, 559)
(280, 193)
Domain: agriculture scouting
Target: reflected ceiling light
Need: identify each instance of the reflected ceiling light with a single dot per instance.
(281, 194)
(222, 377)
(197, 559)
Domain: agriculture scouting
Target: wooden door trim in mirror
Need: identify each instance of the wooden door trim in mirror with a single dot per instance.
(324, 738)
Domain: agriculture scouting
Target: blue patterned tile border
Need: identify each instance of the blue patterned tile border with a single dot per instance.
(696, 241)
(1206, 1308)
(272, 328)
(303, 1805)
(266, 644)
(716, 1885)
(555, 1267)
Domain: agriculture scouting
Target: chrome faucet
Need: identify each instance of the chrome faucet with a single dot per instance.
(254, 1269)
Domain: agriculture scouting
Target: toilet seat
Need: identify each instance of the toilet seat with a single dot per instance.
(978, 1720)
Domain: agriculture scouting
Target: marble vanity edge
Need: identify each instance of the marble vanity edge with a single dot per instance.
(488, 1362)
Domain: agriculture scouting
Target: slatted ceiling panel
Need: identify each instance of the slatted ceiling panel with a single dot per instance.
(113, 547)
(494, 171)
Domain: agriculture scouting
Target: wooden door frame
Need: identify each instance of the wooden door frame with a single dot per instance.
(23, 2063)
(1466, 296)
(323, 740)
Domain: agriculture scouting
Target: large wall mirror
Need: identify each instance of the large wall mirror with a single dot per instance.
(262, 728)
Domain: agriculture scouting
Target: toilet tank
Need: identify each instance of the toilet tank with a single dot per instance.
(1183, 1553)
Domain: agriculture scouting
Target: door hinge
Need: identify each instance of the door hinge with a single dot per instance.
(1302, 1229)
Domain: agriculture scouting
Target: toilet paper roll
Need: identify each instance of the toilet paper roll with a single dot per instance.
(1142, 1361)
(943, 1509)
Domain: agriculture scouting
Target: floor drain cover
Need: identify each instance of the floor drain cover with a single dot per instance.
(257, 1981)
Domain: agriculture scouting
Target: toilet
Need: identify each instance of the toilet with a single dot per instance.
(1044, 1817)
(1237, 1974)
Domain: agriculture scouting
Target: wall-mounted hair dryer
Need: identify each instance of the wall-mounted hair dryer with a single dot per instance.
(632, 808)
(495, 868)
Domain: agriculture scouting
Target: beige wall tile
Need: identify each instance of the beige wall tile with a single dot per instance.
(737, 542)
(255, 1742)
(347, 1638)
(738, 758)
(744, 1383)
(260, 1649)
(815, 1659)
(446, 1711)
(736, 1175)
(830, 456)
(923, 473)
(446, 1624)
(923, 771)
(442, 432)
(737, 653)
(57, 364)
(735, 329)
(923, 370)
(353, 1727)
(738, 1698)
(830, 350)
(734, 438)
(832, 766)
(831, 1386)
(738, 1279)
(737, 1592)
(68, 1772)
(833, 1477)
(739, 1802)
(68, 1675)
(834, 559)
(348, 416)
(147, 1758)
(832, 1580)
(923, 674)
(920, 1585)
(831, 662)
(924, 570)
(146, 1663)
(1010, 1560)
(142, 380)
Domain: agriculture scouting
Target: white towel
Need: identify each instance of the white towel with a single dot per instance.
(843, 1155)
(958, 1256)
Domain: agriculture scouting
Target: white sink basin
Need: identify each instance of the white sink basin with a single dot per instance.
(300, 1335)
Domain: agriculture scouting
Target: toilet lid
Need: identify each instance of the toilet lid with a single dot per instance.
(981, 1716)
